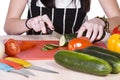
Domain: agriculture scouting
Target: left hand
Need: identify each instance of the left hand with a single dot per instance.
(94, 29)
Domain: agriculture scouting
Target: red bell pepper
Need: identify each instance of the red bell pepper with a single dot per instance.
(116, 30)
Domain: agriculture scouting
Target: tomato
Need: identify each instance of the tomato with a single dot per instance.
(12, 47)
(24, 45)
(116, 30)
(79, 43)
(113, 43)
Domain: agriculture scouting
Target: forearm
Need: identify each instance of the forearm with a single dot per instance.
(112, 11)
(15, 26)
(110, 7)
(113, 22)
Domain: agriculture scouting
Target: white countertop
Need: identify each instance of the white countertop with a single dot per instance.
(64, 74)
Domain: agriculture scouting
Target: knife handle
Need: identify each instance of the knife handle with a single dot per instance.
(12, 64)
(5, 67)
(19, 61)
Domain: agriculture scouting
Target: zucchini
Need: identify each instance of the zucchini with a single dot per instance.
(64, 39)
(114, 61)
(80, 62)
(106, 51)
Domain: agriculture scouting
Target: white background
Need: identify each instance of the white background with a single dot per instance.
(96, 10)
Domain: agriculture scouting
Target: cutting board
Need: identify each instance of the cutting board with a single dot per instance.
(36, 53)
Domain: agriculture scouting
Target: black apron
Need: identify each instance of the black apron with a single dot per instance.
(58, 18)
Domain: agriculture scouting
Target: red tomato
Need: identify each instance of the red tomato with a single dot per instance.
(12, 47)
(116, 30)
(79, 43)
(26, 45)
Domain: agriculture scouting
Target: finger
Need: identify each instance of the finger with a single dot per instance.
(35, 25)
(89, 30)
(95, 33)
(48, 22)
(81, 30)
(100, 32)
(42, 27)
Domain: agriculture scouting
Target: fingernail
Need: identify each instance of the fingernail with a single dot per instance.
(53, 28)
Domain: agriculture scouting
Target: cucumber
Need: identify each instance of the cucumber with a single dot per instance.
(80, 62)
(50, 47)
(113, 60)
(106, 51)
(64, 39)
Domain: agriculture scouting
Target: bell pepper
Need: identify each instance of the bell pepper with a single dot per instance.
(116, 30)
(113, 43)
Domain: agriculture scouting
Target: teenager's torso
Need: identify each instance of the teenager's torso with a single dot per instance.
(67, 16)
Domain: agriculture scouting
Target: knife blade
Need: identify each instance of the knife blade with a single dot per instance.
(28, 65)
(56, 34)
(41, 69)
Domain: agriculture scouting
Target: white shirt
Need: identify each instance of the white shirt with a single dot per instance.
(67, 3)
(63, 3)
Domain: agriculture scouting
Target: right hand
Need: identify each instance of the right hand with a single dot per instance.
(40, 23)
(94, 27)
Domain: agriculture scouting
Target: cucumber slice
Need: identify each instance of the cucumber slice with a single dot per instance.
(64, 39)
(50, 47)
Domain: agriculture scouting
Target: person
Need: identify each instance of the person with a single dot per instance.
(62, 16)
(112, 11)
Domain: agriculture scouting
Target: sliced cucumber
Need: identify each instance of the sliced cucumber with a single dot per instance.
(64, 39)
(50, 47)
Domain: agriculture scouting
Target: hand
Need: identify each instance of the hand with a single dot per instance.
(40, 23)
(94, 28)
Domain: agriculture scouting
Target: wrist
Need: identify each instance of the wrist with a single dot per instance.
(101, 22)
(106, 26)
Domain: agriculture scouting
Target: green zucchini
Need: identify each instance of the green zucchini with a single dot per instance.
(80, 62)
(64, 39)
(106, 51)
(113, 60)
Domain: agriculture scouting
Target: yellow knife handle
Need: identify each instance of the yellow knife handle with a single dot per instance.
(19, 61)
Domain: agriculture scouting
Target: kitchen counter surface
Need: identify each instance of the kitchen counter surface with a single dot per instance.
(64, 74)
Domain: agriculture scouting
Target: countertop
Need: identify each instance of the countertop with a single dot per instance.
(64, 74)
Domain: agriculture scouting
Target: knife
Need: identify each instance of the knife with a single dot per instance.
(54, 33)
(16, 66)
(28, 65)
(8, 68)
